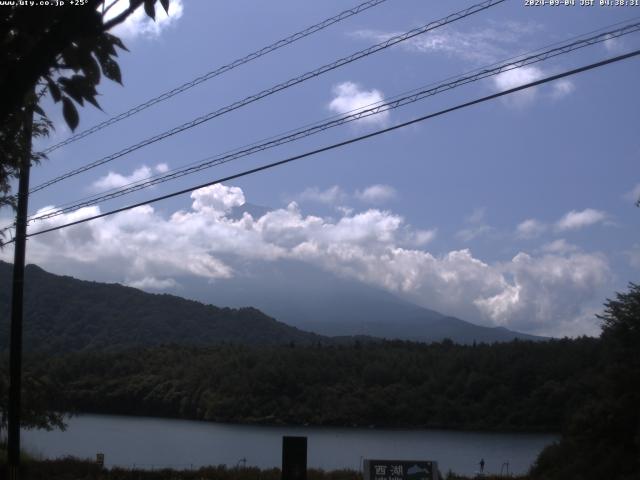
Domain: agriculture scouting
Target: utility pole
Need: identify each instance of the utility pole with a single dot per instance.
(15, 346)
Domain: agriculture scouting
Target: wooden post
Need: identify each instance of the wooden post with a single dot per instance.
(15, 346)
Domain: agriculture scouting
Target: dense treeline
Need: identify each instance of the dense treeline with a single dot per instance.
(513, 386)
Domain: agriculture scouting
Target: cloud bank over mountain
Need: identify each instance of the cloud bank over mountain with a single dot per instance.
(550, 292)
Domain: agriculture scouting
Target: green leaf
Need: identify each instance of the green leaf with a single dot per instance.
(165, 5)
(70, 113)
(149, 7)
(115, 41)
(53, 90)
(71, 58)
(111, 70)
(72, 88)
(37, 109)
(91, 69)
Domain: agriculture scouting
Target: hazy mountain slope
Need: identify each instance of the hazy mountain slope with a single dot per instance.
(66, 314)
(312, 299)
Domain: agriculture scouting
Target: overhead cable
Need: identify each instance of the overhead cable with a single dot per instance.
(281, 86)
(218, 71)
(379, 107)
(347, 142)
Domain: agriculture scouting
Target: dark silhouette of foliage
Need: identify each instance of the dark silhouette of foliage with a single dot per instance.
(601, 439)
(388, 384)
(60, 50)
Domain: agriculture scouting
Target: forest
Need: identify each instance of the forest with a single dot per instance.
(585, 388)
(512, 386)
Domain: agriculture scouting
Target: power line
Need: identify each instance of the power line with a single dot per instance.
(219, 71)
(350, 141)
(281, 86)
(377, 108)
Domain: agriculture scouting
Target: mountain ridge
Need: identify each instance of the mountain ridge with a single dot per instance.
(63, 313)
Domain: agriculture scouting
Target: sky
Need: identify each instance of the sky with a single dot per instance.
(519, 212)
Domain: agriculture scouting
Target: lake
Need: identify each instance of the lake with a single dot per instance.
(157, 442)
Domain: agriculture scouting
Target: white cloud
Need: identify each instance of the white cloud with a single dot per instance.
(585, 218)
(138, 24)
(613, 44)
(633, 195)
(552, 293)
(217, 199)
(349, 96)
(152, 283)
(468, 234)
(562, 88)
(514, 78)
(161, 168)
(530, 228)
(420, 238)
(481, 45)
(490, 44)
(376, 194)
(330, 196)
(559, 246)
(117, 180)
(538, 288)
(527, 74)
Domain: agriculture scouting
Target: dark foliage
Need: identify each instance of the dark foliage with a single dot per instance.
(59, 50)
(601, 438)
(511, 386)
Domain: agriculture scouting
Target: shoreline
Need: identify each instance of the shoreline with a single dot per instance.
(380, 428)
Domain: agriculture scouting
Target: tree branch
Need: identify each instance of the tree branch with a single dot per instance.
(117, 20)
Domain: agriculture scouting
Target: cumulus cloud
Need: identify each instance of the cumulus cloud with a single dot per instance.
(329, 196)
(349, 96)
(376, 194)
(575, 220)
(551, 293)
(138, 24)
(530, 228)
(217, 200)
(538, 288)
(559, 245)
(117, 180)
(527, 74)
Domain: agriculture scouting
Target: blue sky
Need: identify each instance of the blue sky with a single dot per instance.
(518, 212)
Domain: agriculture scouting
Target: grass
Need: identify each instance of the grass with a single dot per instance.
(70, 468)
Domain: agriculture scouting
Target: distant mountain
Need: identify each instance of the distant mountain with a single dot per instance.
(66, 314)
(312, 299)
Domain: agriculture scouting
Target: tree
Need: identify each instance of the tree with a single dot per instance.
(62, 51)
(602, 438)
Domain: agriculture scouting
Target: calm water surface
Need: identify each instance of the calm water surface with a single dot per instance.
(156, 443)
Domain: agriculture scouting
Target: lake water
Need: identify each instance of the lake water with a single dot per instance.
(155, 443)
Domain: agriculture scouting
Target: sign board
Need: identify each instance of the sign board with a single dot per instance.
(100, 459)
(400, 470)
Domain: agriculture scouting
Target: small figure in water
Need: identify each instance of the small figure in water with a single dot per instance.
(481, 465)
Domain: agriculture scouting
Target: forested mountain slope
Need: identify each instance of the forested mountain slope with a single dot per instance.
(65, 314)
